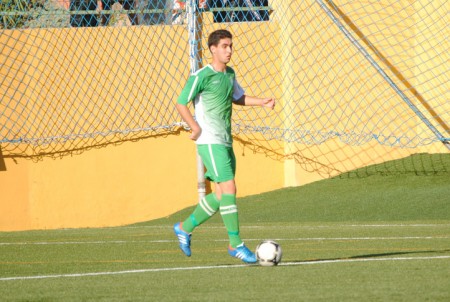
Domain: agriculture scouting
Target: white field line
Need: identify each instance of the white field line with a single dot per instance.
(268, 226)
(295, 226)
(222, 240)
(154, 270)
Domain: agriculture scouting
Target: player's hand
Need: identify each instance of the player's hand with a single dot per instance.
(269, 103)
(195, 133)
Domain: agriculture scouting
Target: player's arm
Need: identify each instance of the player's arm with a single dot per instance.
(239, 98)
(246, 100)
(188, 93)
(187, 117)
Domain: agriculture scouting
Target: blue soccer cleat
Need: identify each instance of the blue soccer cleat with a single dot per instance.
(183, 238)
(242, 252)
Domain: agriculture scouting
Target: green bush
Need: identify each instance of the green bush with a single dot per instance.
(32, 14)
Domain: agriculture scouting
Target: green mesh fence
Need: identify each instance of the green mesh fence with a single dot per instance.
(82, 74)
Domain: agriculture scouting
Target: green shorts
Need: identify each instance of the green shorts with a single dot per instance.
(220, 162)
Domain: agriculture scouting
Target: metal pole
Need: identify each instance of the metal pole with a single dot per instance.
(416, 110)
(194, 28)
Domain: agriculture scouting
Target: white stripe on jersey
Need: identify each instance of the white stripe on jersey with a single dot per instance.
(192, 89)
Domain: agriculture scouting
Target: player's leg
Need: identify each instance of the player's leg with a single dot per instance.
(229, 211)
(209, 205)
(220, 163)
(205, 209)
(228, 208)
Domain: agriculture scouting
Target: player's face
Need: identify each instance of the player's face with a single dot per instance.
(223, 51)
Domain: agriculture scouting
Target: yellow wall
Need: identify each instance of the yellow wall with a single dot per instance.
(154, 177)
(127, 183)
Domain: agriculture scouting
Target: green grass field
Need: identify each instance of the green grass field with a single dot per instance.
(381, 233)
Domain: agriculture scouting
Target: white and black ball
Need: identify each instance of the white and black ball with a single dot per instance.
(268, 253)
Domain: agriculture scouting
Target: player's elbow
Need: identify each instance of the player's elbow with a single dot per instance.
(240, 101)
(180, 107)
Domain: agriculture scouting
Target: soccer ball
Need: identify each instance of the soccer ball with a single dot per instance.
(268, 253)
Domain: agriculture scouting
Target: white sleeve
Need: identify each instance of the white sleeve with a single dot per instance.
(238, 91)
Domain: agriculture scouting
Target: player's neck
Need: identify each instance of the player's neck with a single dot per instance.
(218, 66)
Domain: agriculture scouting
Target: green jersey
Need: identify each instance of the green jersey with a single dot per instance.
(213, 93)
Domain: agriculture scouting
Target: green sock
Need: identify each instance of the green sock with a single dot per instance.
(229, 212)
(206, 208)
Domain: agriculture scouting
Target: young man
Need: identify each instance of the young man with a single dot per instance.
(213, 89)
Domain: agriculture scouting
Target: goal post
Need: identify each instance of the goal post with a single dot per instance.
(194, 17)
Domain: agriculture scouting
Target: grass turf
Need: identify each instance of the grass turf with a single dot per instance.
(381, 233)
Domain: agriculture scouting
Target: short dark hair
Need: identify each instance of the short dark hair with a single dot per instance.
(217, 35)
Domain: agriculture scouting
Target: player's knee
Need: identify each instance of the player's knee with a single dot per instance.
(229, 187)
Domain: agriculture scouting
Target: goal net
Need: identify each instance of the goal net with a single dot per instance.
(80, 74)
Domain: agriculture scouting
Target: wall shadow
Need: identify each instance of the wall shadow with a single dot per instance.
(327, 161)
(38, 153)
(2, 161)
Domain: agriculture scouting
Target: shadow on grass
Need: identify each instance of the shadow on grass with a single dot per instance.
(371, 256)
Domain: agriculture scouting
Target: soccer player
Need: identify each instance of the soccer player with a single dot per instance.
(214, 89)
